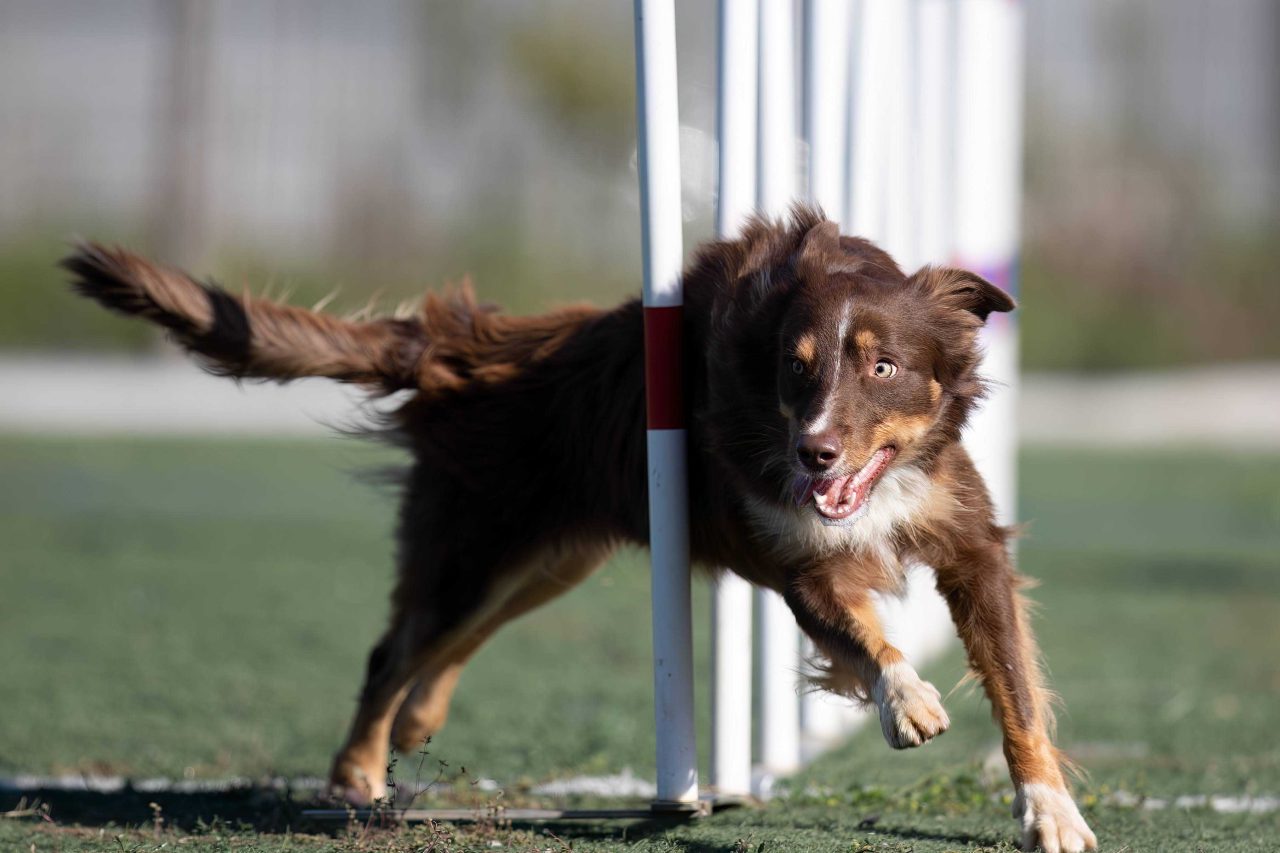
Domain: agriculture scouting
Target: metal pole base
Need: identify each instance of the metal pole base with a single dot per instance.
(700, 807)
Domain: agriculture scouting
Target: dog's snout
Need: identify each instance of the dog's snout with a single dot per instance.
(819, 452)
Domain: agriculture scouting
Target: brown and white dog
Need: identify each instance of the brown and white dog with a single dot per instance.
(826, 391)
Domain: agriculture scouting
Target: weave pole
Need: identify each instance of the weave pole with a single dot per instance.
(865, 192)
(776, 190)
(825, 127)
(920, 620)
(893, 77)
(935, 113)
(739, 29)
(658, 143)
(988, 193)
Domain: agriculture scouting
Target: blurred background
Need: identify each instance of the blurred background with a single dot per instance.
(384, 146)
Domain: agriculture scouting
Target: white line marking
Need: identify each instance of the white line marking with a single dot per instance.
(1217, 802)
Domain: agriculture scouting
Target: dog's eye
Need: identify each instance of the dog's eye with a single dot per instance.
(885, 369)
(797, 366)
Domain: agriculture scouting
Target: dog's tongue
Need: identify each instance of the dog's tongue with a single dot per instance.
(840, 497)
(826, 491)
(835, 499)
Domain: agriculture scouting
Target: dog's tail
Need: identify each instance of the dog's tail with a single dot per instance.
(248, 337)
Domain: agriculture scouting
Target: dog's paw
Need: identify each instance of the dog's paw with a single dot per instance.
(1050, 820)
(911, 711)
(349, 782)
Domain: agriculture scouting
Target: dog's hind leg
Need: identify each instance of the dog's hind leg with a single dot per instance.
(440, 597)
(359, 769)
(550, 574)
(441, 618)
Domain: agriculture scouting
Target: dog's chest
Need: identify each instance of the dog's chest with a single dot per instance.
(900, 500)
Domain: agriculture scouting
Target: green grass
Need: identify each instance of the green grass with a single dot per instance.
(203, 609)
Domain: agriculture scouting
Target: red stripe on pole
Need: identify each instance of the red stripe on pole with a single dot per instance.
(663, 347)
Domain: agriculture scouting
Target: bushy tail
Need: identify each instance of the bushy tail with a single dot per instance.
(247, 337)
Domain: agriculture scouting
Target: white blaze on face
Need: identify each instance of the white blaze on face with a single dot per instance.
(822, 421)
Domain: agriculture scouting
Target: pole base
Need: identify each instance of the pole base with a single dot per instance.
(681, 810)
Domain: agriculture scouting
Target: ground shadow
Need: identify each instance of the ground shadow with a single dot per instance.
(272, 810)
(260, 809)
(640, 830)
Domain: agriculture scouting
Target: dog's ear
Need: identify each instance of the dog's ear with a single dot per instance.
(962, 289)
(823, 238)
(822, 253)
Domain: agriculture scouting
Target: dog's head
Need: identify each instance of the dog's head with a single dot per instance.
(860, 366)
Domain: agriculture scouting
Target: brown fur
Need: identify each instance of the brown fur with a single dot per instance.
(783, 329)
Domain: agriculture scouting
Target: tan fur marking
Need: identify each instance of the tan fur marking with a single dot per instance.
(426, 709)
(806, 349)
(900, 431)
(837, 593)
(424, 712)
(935, 391)
(867, 341)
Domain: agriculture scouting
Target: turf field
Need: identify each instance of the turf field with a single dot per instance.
(195, 609)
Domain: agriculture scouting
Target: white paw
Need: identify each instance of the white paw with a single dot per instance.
(1050, 820)
(911, 711)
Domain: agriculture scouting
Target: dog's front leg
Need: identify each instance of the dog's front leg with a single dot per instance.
(841, 620)
(981, 588)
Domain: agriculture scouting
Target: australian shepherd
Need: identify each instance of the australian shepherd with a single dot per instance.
(825, 393)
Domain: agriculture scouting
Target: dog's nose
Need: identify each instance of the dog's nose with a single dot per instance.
(818, 452)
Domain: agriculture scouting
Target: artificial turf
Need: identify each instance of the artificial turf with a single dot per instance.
(190, 608)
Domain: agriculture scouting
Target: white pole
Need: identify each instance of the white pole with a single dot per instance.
(826, 78)
(660, 220)
(892, 77)
(777, 115)
(731, 685)
(934, 120)
(779, 637)
(731, 598)
(921, 612)
(865, 196)
(859, 215)
(738, 82)
(988, 198)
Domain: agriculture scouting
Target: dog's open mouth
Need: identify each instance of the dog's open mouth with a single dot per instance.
(840, 499)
